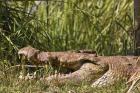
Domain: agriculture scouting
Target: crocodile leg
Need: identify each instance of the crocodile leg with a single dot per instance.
(88, 71)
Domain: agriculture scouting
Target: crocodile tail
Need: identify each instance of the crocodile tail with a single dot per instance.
(61, 79)
(87, 72)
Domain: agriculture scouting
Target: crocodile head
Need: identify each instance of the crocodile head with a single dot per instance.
(29, 52)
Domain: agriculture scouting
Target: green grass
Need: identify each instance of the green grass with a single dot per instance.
(13, 84)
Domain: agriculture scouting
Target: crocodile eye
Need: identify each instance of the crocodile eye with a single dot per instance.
(129, 64)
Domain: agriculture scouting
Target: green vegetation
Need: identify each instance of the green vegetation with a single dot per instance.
(58, 25)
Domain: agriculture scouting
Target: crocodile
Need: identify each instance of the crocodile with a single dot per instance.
(83, 66)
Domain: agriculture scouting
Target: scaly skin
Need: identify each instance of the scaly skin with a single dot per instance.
(85, 66)
(120, 68)
(87, 72)
(70, 60)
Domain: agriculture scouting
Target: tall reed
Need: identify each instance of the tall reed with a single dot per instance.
(101, 25)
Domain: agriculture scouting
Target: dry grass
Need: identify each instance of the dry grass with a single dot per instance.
(10, 83)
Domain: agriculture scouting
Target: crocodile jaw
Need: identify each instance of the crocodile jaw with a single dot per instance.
(28, 52)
